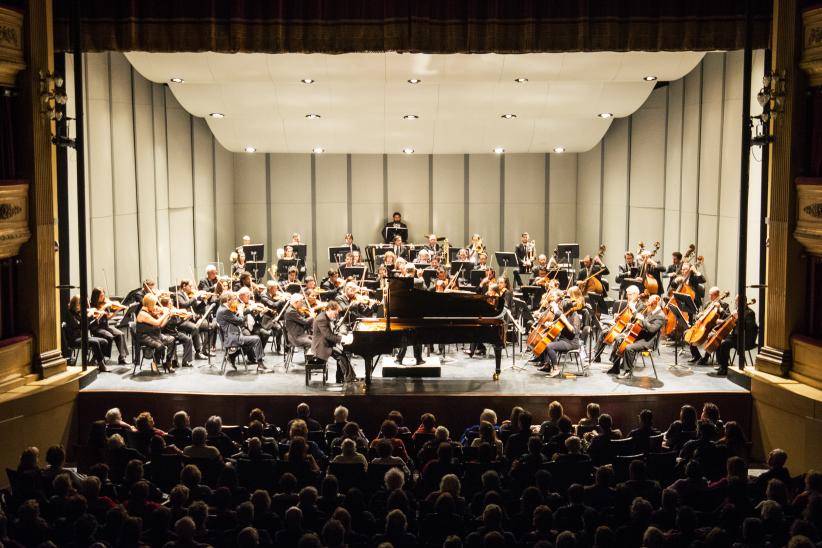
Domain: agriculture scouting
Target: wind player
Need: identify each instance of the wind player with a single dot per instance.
(395, 222)
(231, 324)
(724, 312)
(521, 252)
(652, 318)
(399, 249)
(349, 242)
(324, 341)
(433, 247)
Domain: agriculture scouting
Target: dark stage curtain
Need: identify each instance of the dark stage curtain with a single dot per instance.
(430, 26)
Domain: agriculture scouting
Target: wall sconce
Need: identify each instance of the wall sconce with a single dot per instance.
(52, 94)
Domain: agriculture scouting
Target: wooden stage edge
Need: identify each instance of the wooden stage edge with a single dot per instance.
(454, 410)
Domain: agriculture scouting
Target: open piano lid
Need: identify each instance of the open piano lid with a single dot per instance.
(405, 301)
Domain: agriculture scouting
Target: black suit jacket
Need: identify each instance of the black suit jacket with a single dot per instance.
(324, 339)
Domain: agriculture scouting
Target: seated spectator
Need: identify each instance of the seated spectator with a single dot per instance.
(340, 420)
(569, 516)
(640, 485)
(550, 427)
(304, 414)
(706, 433)
(28, 528)
(444, 521)
(299, 457)
(601, 494)
(691, 489)
(600, 448)
(444, 464)
(511, 424)
(217, 438)
(492, 522)
(517, 444)
(185, 534)
(158, 527)
(542, 527)
(397, 418)
(642, 434)
(144, 423)
(192, 479)
(98, 505)
(352, 537)
(256, 429)
(157, 448)
(285, 495)
(384, 450)
(682, 429)
(813, 488)
(199, 448)
(293, 531)
(29, 461)
(350, 455)
(118, 456)
(313, 517)
(114, 421)
(591, 418)
(777, 459)
(449, 484)
(138, 503)
(55, 459)
(299, 428)
(396, 532)
(428, 424)
(631, 534)
(330, 496)
(429, 449)
(573, 451)
(487, 415)
(734, 441)
(180, 433)
(333, 534)
(351, 431)
(264, 516)
(556, 443)
(389, 432)
(178, 500)
(710, 412)
(487, 434)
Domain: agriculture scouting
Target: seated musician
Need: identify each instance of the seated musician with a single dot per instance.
(332, 282)
(424, 257)
(357, 258)
(98, 347)
(672, 269)
(482, 262)
(252, 316)
(433, 246)
(310, 282)
(382, 277)
(568, 339)
(298, 323)
(274, 300)
(631, 301)
(594, 267)
(723, 353)
(504, 289)
(349, 241)
(324, 341)
(210, 281)
(652, 318)
(149, 324)
(462, 255)
(238, 267)
(230, 320)
(724, 312)
(626, 275)
(180, 327)
(389, 260)
(352, 306)
(290, 280)
(100, 326)
(489, 278)
(689, 276)
(398, 248)
(538, 274)
(349, 260)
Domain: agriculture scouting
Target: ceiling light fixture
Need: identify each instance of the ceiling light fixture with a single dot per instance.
(217, 115)
(649, 78)
(414, 80)
(520, 80)
(177, 80)
(312, 116)
(508, 116)
(499, 150)
(318, 150)
(559, 150)
(408, 151)
(410, 117)
(606, 114)
(250, 149)
(307, 80)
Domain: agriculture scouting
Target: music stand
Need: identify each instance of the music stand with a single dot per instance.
(428, 274)
(453, 253)
(466, 266)
(571, 252)
(476, 276)
(254, 252)
(355, 272)
(256, 269)
(686, 304)
(337, 253)
(389, 231)
(506, 259)
(300, 250)
(682, 325)
(533, 294)
(283, 265)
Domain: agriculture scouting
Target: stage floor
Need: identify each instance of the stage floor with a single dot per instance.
(461, 375)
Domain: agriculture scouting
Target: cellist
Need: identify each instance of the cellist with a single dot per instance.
(724, 311)
(631, 302)
(723, 354)
(689, 277)
(651, 320)
(568, 338)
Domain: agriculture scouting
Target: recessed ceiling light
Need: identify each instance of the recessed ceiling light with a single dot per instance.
(307, 80)
(410, 117)
(408, 151)
(520, 80)
(177, 80)
(559, 150)
(250, 149)
(508, 116)
(649, 78)
(318, 150)
(499, 150)
(414, 80)
(312, 116)
(217, 115)
(606, 114)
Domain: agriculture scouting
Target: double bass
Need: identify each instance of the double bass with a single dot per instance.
(722, 331)
(697, 333)
(592, 284)
(647, 278)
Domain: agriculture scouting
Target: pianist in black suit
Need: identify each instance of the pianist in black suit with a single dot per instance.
(395, 222)
(324, 341)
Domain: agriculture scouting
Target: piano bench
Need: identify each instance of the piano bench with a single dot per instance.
(315, 365)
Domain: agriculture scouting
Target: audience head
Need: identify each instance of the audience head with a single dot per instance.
(181, 420)
(555, 411)
(592, 411)
(199, 436)
(488, 415)
(341, 414)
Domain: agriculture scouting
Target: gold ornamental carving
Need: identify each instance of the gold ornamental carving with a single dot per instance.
(14, 218)
(809, 215)
(11, 45)
(811, 61)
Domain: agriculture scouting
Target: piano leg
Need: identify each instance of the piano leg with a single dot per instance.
(497, 361)
(368, 361)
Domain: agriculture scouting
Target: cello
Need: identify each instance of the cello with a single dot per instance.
(621, 321)
(696, 334)
(722, 331)
(546, 334)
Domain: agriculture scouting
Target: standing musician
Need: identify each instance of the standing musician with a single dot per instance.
(724, 312)
(101, 313)
(594, 268)
(252, 316)
(651, 319)
(230, 320)
(97, 346)
(399, 249)
(651, 267)
(349, 241)
(149, 324)
(325, 339)
(524, 252)
(631, 301)
(568, 339)
(672, 269)
(723, 353)
(689, 276)
(475, 248)
(627, 275)
(298, 323)
(295, 239)
(395, 222)
(178, 318)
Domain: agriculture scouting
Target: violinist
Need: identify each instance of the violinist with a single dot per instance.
(100, 313)
(174, 328)
(627, 275)
(290, 280)
(195, 303)
(230, 320)
(324, 341)
(332, 282)
(310, 283)
(723, 353)
(150, 321)
(689, 280)
(252, 316)
(299, 323)
(724, 312)
(651, 320)
(353, 306)
(631, 302)
(382, 278)
(274, 300)
(315, 305)
(568, 339)
(98, 346)
(210, 281)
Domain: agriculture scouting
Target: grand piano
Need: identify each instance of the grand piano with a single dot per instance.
(417, 316)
